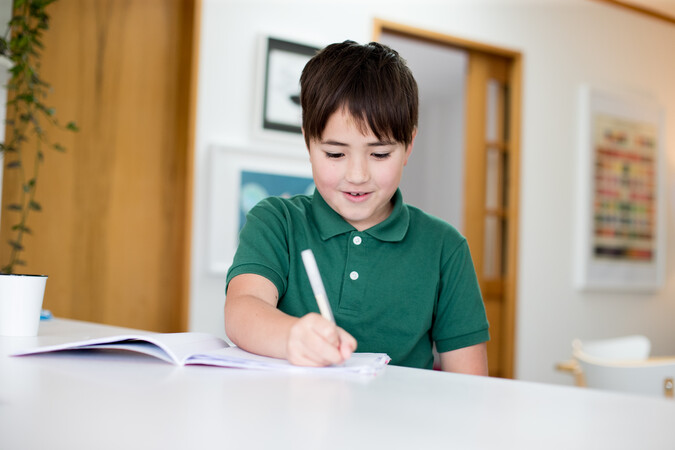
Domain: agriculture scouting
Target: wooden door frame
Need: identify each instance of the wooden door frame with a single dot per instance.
(652, 11)
(514, 76)
(186, 287)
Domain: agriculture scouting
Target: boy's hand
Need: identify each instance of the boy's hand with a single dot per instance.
(315, 341)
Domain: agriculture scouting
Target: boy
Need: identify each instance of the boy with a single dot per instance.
(397, 279)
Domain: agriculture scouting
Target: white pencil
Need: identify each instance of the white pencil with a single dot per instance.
(317, 284)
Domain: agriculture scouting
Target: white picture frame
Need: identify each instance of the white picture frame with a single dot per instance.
(621, 221)
(228, 166)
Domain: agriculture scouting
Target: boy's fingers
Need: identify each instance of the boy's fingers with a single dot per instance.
(314, 342)
(329, 332)
(347, 343)
(319, 342)
(348, 340)
(324, 351)
(324, 328)
(313, 357)
(341, 344)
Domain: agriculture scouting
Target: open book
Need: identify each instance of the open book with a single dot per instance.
(205, 349)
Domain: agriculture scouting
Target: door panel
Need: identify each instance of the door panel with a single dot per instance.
(489, 213)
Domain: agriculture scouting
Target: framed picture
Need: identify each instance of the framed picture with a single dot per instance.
(283, 64)
(621, 228)
(239, 178)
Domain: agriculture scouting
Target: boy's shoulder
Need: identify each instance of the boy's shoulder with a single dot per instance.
(283, 205)
(282, 202)
(422, 217)
(424, 222)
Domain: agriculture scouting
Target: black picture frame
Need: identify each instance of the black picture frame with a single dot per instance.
(284, 61)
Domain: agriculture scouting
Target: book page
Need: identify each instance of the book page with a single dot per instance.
(205, 349)
(170, 347)
(359, 363)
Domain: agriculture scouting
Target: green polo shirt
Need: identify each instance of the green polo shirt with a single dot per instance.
(396, 287)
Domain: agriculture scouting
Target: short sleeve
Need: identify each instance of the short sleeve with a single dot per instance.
(263, 245)
(460, 319)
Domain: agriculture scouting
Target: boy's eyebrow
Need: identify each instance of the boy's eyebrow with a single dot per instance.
(381, 143)
(370, 144)
(332, 142)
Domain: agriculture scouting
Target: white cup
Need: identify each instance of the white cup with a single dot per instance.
(20, 304)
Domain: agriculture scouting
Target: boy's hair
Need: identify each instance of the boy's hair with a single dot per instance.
(371, 81)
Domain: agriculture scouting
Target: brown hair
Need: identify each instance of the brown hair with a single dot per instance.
(371, 81)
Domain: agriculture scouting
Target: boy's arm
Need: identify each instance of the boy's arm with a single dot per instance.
(470, 360)
(253, 322)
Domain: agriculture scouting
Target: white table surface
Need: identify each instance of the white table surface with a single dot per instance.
(90, 400)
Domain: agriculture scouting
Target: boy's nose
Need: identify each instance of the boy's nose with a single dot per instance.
(357, 171)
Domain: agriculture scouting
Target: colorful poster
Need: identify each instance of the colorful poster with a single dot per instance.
(624, 193)
(256, 186)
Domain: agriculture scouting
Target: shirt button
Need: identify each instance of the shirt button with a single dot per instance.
(357, 240)
(354, 275)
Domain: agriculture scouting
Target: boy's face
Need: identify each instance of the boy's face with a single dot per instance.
(356, 173)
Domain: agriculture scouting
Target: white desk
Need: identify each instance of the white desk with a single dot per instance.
(99, 401)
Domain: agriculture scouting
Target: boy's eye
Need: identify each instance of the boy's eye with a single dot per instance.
(381, 155)
(334, 155)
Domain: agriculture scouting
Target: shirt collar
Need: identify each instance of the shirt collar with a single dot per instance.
(331, 224)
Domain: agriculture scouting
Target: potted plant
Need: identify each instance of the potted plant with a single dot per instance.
(23, 153)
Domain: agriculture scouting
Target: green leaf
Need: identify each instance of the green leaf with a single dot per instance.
(27, 97)
(16, 70)
(23, 228)
(17, 19)
(16, 245)
(37, 80)
(48, 111)
(72, 126)
(59, 147)
(13, 164)
(35, 206)
(15, 207)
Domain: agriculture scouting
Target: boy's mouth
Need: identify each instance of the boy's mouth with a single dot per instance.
(357, 196)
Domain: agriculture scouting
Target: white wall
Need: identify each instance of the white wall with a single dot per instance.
(434, 177)
(565, 43)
